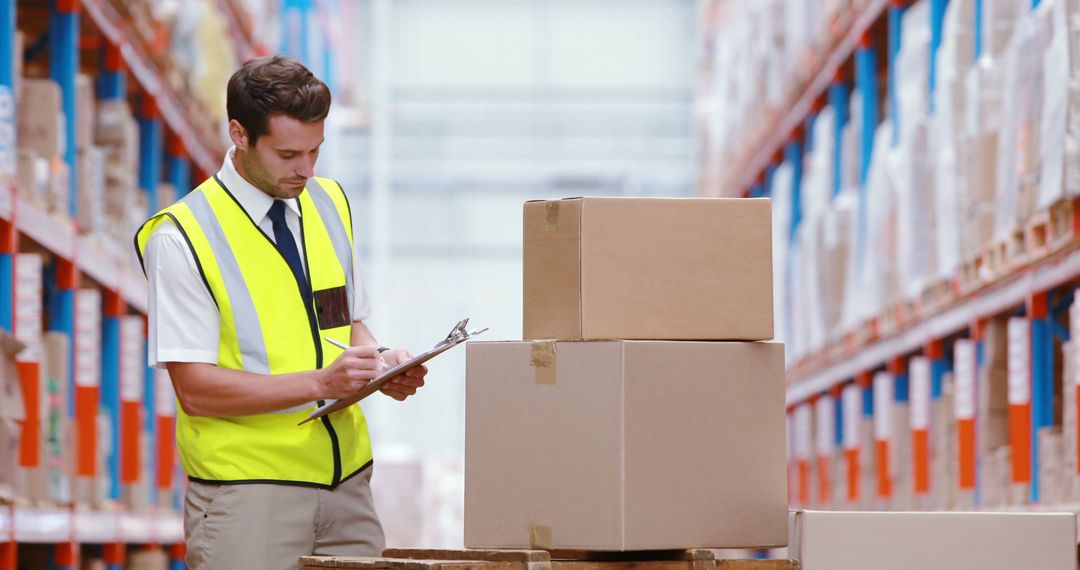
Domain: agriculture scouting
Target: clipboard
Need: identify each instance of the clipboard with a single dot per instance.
(457, 335)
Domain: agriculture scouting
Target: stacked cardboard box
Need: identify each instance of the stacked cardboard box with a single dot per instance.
(40, 139)
(58, 459)
(12, 412)
(117, 137)
(944, 459)
(1069, 387)
(579, 437)
(1052, 483)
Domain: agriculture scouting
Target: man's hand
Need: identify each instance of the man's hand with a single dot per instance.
(352, 370)
(407, 383)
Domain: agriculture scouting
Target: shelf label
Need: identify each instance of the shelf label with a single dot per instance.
(803, 430)
(132, 365)
(1019, 361)
(851, 408)
(825, 413)
(883, 400)
(920, 393)
(87, 337)
(965, 365)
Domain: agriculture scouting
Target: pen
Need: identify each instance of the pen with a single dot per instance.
(336, 343)
(344, 346)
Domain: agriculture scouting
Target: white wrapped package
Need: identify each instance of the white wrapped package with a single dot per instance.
(1020, 94)
(913, 185)
(815, 194)
(837, 228)
(999, 19)
(797, 341)
(954, 59)
(809, 293)
(875, 266)
(1055, 111)
(818, 173)
(912, 69)
(781, 226)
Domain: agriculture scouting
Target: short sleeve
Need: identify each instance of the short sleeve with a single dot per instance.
(182, 317)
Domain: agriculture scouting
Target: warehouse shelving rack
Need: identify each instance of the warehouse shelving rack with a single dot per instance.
(169, 138)
(1036, 282)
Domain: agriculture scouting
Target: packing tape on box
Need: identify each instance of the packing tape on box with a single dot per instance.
(552, 220)
(540, 537)
(544, 361)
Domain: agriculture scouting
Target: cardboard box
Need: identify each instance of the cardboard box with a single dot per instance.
(59, 187)
(57, 459)
(113, 122)
(12, 412)
(92, 190)
(32, 176)
(41, 121)
(942, 540)
(648, 268)
(625, 445)
(85, 112)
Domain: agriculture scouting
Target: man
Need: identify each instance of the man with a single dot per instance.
(249, 275)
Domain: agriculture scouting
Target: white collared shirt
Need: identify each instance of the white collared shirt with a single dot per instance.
(183, 319)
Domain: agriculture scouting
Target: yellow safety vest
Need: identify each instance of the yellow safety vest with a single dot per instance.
(267, 327)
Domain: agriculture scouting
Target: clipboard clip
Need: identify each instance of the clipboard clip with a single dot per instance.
(459, 333)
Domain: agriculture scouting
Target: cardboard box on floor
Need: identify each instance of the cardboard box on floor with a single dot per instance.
(942, 540)
(648, 268)
(625, 445)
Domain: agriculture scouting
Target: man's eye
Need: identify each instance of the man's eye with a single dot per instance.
(288, 155)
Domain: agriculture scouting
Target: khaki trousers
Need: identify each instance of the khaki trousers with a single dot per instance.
(270, 527)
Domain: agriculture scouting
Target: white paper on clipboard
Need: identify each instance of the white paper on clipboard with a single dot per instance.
(457, 336)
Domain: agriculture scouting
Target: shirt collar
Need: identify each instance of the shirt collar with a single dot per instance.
(254, 201)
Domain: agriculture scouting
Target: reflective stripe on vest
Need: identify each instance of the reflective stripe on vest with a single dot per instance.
(267, 327)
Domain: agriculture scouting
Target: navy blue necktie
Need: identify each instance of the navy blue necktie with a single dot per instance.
(287, 245)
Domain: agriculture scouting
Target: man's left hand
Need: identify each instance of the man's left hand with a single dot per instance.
(408, 382)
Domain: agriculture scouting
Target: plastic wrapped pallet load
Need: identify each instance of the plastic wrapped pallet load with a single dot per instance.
(1017, 176)
(913, 180)
(874, 265)
(837, 227)
(979, 146)
(954, 59)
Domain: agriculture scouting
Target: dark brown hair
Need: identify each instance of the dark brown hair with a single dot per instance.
(275, 85)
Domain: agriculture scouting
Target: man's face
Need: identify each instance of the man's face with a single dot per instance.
(283, 158)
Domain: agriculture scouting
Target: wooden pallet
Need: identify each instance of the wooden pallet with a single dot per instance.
(937, 295)
(1005, 255)
(971, 276)
(468, 559)
(1053, 229)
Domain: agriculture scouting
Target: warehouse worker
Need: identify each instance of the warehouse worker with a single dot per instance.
(249, 274)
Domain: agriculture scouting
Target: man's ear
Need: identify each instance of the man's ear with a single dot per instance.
(238, 134)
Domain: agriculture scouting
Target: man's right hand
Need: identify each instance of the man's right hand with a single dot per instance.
(352, 370)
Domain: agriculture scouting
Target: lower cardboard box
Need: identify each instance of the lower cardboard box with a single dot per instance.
(933, 541)
(625, 445)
